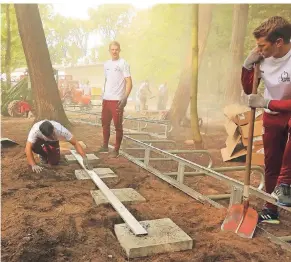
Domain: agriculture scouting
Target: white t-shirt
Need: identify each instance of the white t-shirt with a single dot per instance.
(144, 90)
(115, 72)
(60, 131)
(276, 74)
(87, 90)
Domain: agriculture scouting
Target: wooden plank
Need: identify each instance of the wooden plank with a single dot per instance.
(128, 218)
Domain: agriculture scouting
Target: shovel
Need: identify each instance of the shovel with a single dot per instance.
(241, 218)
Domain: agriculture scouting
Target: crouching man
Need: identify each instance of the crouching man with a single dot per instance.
(43, 139)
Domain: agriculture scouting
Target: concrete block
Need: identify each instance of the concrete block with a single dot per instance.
(71, 159)
(81, 174)
(91, 157)
(125, 195)
(65, 145)
(163, 236)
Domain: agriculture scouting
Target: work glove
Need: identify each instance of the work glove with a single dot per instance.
(122, 103)
(36, 168)
(257, 101)
(86, 163)
(253, 57)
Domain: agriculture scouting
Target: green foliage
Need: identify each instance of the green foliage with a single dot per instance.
(17, 54)
(110, 19)
(156, 42)
(66, 38)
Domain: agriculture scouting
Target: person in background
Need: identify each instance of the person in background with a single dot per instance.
(163, 96)
(143, 93)
(87, 89)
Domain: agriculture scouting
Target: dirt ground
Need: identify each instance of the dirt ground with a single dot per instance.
(51, 216)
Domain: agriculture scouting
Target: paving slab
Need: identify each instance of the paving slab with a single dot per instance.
(103, 173)
(91, 157)
(163, 236)
(71, 159)
(125, 195)
(65, 145)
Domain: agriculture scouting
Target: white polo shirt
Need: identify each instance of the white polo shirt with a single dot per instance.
(115, 72)
(276, 74)
(60, 131)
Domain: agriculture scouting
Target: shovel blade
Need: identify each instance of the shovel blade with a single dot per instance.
(233, 218)
(249, 224)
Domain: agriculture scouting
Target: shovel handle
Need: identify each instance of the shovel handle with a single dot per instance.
(251, 134)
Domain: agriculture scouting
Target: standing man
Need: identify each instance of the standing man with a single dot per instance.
(43, 139)
(163, 96)
(117, 87)
(87, 88)
(143, 93)
(274, 54)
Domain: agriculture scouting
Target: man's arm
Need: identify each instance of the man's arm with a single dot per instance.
(77, 146)
(30, 159)
(29, 154)
(247, 78)
(81, 152)
(280, 105)
(258, 101)
(247, 75)
(128, 86)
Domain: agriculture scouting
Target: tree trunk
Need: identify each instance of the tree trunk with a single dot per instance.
(44, 87)
(204, 22)
(194, 90)
(181, 98)
(239, 27)
(8, 48)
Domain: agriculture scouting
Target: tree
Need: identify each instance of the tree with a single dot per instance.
(109, 19)
(178, 109)
(14, 47)
(8, 48)
(239, 27)
(204, 22)
(194, 90)
(44, 87)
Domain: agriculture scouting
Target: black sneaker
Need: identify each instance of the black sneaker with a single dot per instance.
(268, 216)
(282, 193)
(102, 149)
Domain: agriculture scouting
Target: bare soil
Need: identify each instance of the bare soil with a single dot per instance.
(51, 216)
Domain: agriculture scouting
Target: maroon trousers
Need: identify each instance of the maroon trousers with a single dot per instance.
(111, 111)
(277, 148)
(49, 150)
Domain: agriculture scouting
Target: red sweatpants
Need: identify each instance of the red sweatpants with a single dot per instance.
(277, 148)
(110, 110)
(49, 150)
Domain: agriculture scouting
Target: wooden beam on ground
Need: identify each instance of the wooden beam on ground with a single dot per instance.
(128, 218)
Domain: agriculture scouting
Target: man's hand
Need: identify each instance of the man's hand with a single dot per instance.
(36, 168)
(254, 57)
(257, 101)
(122, 103)
(86, 163)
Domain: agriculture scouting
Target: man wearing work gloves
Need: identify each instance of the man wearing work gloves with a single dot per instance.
(117, 88)
(43, 139)
(274, 54)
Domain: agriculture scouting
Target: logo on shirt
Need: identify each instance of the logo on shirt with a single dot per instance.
(284, 77)
(117, 68)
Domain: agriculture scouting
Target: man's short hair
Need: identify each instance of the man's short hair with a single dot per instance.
(274, 28)
(46, 128)
(114, 43)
